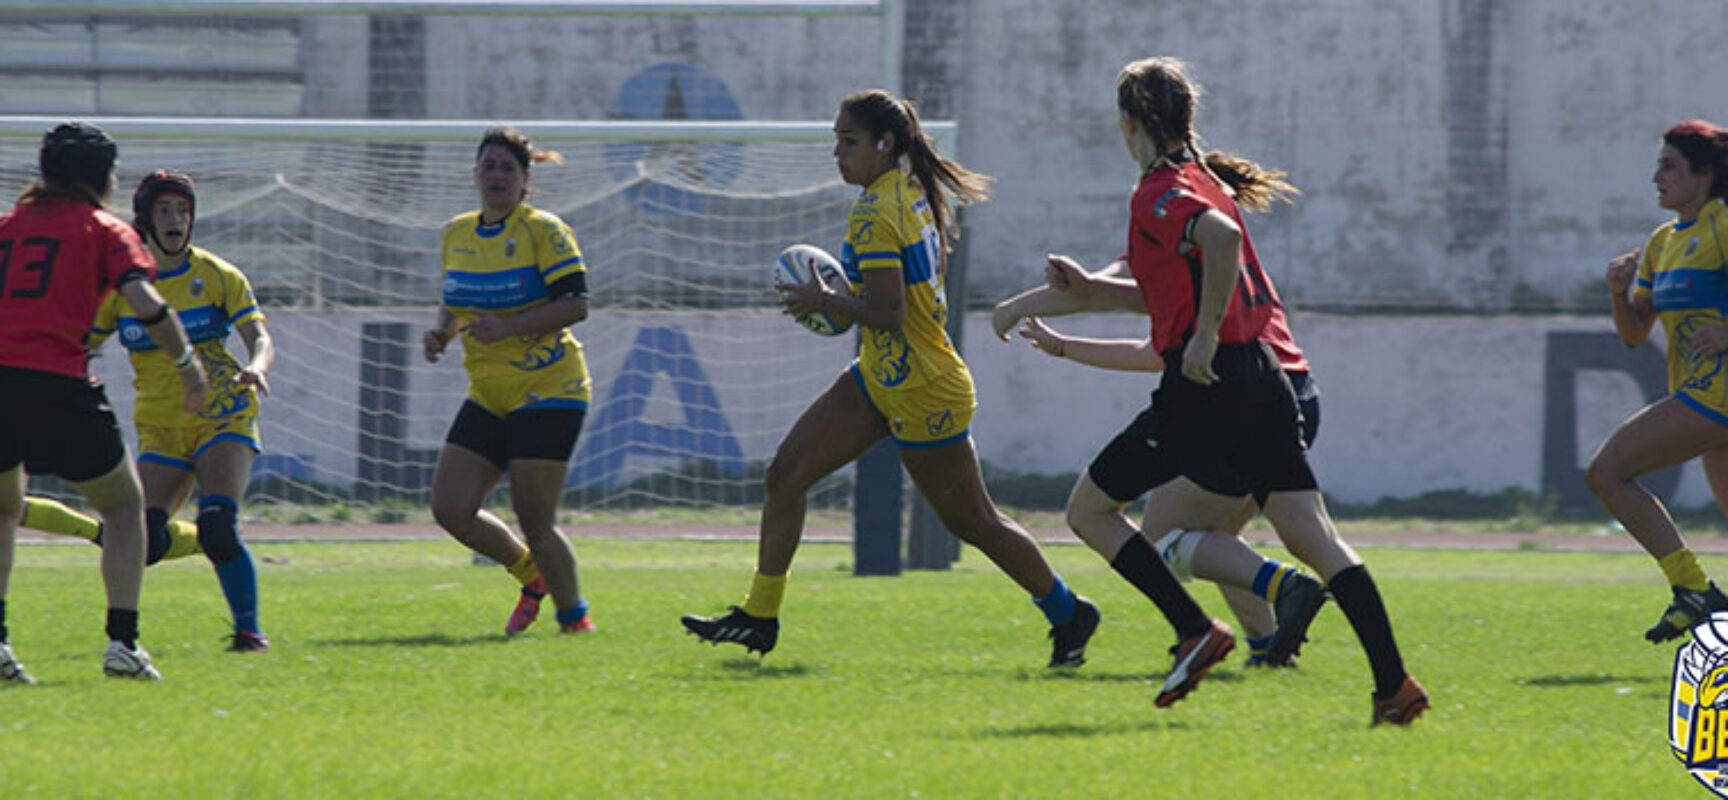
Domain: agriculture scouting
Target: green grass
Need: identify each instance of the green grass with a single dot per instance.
(390, 679)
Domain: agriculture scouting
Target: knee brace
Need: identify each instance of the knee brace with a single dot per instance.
(155, 535)
(219, 529)
(1177, 549)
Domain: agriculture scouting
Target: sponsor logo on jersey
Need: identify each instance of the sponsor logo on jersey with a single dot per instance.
(1158, 207)
(1698, 704)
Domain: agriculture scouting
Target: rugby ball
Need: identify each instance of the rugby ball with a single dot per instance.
(794, 267)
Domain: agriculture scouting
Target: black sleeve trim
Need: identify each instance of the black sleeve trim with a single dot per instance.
(160, 315)
(133, 274)
(573, 285)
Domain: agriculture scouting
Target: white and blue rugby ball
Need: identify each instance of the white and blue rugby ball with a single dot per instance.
(794, 266)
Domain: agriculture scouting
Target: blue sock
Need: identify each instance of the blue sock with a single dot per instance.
(239, 579)
(573, 614)
(1058, 606)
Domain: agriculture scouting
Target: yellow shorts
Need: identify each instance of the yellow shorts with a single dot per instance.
(935, 414)
(180, 445)
(561, 386)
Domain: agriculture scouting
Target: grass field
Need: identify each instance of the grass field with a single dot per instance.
(390, 678)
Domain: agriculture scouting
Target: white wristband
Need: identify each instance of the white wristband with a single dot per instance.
(185, 358)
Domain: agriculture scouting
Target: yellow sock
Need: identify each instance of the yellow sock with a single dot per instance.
(182, 540)
(1683, 570)
(765, 594)
(524, 569)
(53, 516)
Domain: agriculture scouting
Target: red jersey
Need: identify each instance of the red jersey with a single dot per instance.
(1277, 336)
(1166, 262)
(58, 259)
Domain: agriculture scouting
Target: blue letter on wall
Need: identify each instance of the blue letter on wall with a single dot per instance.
(619, 431)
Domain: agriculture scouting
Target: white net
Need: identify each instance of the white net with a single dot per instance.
(696, 373)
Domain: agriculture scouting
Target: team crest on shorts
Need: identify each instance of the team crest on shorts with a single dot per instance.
(1698, 705)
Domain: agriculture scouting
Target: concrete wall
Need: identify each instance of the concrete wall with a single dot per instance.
(1485, 155)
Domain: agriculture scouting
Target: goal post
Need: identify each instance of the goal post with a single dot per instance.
(336, 223)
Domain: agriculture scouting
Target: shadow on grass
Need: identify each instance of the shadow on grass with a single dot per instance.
(1073, 730)
(1562, 681)
(423, 640)
(743, 668)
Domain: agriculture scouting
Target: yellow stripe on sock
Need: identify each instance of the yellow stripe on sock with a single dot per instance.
(525, 570)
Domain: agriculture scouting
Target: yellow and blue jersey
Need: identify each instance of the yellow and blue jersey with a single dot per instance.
(211, 297)
(1683, 269)
(503, 269)
(891, 227)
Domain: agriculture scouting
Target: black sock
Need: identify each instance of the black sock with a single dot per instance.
(5, 635)
(123, 626)
(1360, 601)
(1141, 566)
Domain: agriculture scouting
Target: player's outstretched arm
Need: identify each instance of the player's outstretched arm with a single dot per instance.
(164, 328)
(1134, 355)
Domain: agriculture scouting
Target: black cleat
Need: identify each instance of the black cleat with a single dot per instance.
(1068, 642)
(756, 634)
(1298, 602)
(1688, 609)
(248, 642)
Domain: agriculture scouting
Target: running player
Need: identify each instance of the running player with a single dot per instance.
(1226, 423)
(1680, 277)
(60, 255)
(212, 447)
(908, 383)
(514, 282)
(1209, 549)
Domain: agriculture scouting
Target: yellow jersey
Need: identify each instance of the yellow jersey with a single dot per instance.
(503, 269)
(1683, 269)
(211, 297)
(891, 227)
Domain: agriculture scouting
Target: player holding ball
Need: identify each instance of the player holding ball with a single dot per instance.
(908, 383)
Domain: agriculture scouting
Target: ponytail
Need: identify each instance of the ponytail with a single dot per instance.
(942, 179)
(1255, 187)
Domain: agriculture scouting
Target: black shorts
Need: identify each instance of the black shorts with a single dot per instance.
(548, 434)
(1244, 435)
(57, 425)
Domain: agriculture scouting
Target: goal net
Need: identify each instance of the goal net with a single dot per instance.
(696, 374)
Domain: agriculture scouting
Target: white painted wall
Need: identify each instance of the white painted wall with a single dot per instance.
(1452, 154)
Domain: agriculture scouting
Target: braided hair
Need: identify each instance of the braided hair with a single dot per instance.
(1160, 97)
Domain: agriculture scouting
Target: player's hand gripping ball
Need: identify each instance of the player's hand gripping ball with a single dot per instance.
(795, 266)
